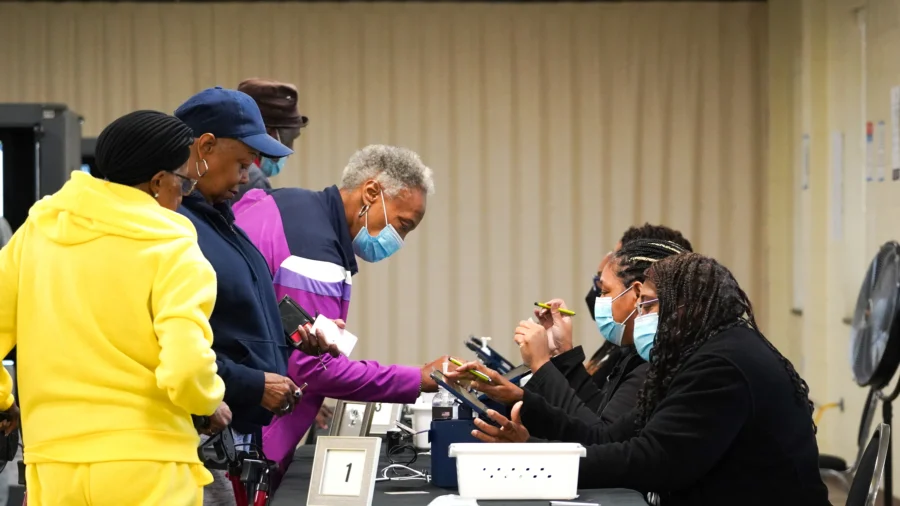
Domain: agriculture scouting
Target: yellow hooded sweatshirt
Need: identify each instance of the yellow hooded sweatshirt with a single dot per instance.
(108, 297)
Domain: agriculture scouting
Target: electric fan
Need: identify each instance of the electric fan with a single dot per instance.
(875, 338)
(875, 331)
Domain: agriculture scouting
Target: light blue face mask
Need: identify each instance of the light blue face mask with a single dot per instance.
(645, 333)
(381, 246)
(272, 167)
(609, 328)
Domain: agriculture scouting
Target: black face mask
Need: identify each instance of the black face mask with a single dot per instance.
(591, 299)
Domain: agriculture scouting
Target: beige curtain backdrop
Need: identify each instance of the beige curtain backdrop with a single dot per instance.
(550, 129)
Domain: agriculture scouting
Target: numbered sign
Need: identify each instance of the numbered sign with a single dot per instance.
(383, 417)
(351, 419)
(343, 472)
(335, 481)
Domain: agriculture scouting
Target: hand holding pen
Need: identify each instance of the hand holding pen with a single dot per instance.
(497, 387)
(557, 319)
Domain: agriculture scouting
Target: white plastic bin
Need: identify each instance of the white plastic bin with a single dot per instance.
(531, 471)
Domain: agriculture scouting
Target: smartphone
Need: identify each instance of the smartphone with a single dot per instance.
(490, 358)
(293, 316)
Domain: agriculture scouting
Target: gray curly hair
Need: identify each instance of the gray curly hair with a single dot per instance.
(396, 169)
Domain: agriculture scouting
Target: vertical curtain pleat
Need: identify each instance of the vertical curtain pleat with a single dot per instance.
(550, 128)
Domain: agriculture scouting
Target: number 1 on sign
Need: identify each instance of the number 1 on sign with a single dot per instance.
(343, 472)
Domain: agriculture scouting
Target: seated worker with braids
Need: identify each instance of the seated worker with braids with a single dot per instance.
(723, 418)
(608, 356)
(620, 283)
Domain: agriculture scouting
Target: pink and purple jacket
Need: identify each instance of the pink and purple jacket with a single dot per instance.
(305, 239)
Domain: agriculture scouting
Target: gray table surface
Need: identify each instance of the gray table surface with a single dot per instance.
(295, 486)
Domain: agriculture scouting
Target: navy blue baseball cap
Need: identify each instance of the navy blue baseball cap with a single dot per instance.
(230, 114)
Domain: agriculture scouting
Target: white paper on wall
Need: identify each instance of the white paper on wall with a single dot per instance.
(837, 185)
(880, 139)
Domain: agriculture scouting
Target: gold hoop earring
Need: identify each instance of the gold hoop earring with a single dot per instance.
(197, 168)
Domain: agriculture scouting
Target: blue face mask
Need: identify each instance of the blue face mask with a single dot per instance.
(645, 333)
(611, 330)
(379, 247)
(272, 167)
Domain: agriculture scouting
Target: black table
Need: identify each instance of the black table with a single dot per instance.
(295, 486)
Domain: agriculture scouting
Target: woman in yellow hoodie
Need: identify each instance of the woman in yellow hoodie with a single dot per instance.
(107, 296)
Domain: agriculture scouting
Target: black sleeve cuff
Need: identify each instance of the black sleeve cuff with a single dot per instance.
(567, 360)
(538, 379)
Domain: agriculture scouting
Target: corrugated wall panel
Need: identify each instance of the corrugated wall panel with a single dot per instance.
(551, 128)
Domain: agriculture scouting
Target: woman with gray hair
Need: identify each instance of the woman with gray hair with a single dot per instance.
(311, 240)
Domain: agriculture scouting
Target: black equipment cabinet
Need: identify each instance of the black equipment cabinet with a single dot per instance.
(41, 147)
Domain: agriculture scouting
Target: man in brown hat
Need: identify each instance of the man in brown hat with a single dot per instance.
(278, 104)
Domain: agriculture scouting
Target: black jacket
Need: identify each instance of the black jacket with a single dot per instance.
(615, 399)
(730, 431)
(247, 334)
(608, 357)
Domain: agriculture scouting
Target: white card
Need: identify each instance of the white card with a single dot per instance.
(344, 340)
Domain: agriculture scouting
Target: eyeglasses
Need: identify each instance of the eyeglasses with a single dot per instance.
(187, 184)
(646, 303)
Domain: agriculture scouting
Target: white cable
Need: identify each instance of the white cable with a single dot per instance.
(416, 475)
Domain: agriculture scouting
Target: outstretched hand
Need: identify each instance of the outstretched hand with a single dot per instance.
(428, 384)
(510, 431)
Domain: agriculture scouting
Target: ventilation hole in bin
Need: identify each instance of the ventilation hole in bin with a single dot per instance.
(542, 469)
(535, 476)
(492, 476)
(485, 469)
(549, 476)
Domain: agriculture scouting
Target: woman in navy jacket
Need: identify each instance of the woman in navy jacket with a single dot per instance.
(248, 337)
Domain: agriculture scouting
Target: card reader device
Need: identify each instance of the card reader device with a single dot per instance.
(488, 355)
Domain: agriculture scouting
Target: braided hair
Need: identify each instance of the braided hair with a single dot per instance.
(642, 246)
(698, 299)
(661, 232)
(633, 260)
(134, 148)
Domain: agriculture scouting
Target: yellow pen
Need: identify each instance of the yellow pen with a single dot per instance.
(561, 310)
(478, 374)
